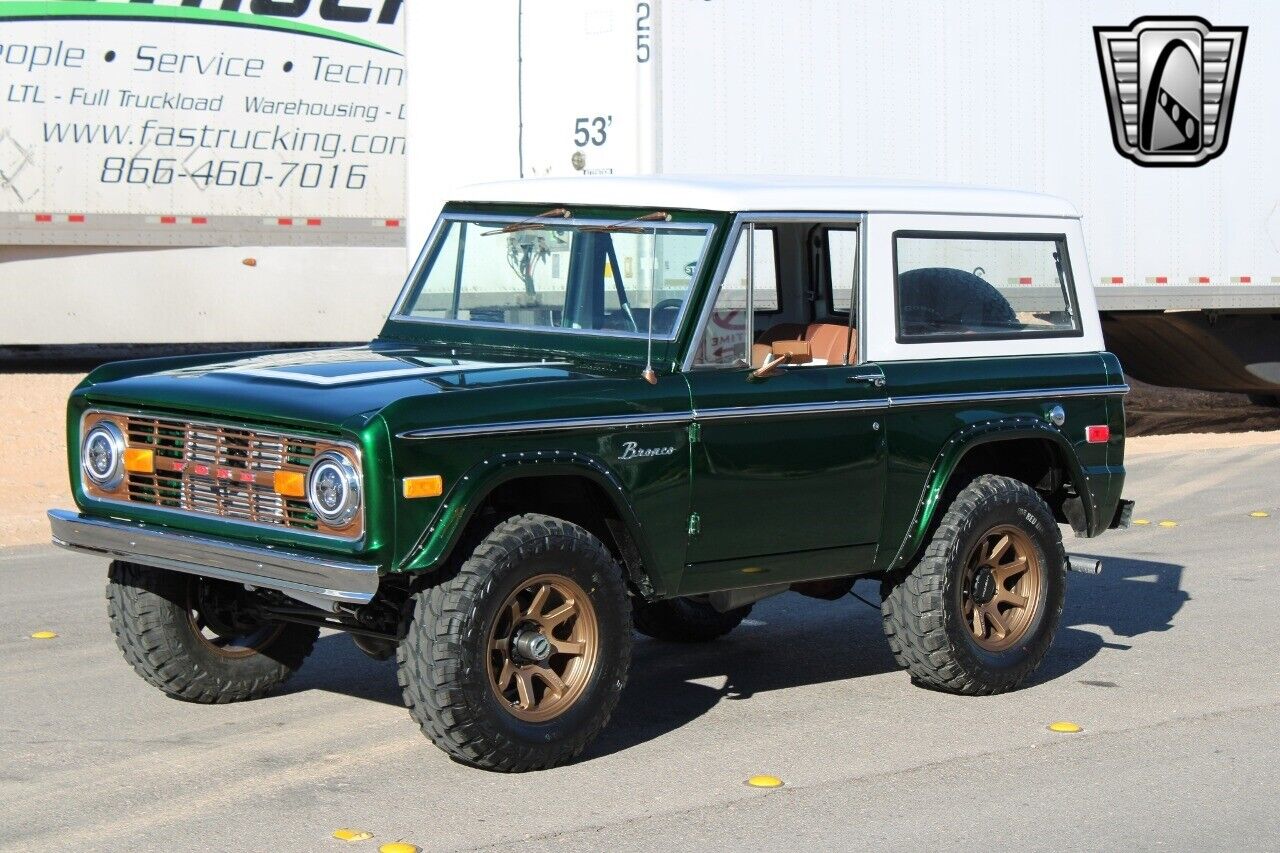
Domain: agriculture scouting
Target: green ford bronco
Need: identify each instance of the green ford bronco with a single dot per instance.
(606, 404)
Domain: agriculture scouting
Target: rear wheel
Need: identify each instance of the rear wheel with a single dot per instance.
(978, 612)
(200, 639)
(684, 620)
(516, 662)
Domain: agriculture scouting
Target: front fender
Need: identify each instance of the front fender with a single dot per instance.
(949, 458)
(468, 493)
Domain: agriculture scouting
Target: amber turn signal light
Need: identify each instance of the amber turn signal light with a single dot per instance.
(139, 460)
(292, 484)
(428, 486)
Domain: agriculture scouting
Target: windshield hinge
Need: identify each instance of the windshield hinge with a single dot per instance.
(695, 432)
(695, 524)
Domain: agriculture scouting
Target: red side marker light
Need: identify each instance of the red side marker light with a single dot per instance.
(1097, 434)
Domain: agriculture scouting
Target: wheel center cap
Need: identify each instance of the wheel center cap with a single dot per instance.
(984, 585)
(532, 646)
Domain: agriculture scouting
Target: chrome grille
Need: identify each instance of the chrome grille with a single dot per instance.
(219, 470)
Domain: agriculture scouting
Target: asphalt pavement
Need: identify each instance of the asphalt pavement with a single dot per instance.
(1170, 661)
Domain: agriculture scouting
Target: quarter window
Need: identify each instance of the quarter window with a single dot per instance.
(976, 286)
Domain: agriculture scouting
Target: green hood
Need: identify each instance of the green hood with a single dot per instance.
(327, 390)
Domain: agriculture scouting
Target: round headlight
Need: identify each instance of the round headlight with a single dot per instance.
(333, 489)
(102, 455)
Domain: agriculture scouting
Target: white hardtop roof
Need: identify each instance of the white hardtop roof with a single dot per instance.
(768, 193)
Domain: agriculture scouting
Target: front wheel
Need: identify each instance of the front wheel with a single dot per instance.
(516, 662)
(978, 612)
(199, 639)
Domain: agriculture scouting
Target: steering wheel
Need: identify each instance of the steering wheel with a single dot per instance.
(666, 305)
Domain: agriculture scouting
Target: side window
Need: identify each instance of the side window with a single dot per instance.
(724, 340)
(842, 267)
(976, 286)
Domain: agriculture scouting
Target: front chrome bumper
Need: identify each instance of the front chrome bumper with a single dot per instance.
(256, 565)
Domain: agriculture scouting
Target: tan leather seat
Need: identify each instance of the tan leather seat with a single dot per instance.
(795, 352)
(825, 343)
(828, 341)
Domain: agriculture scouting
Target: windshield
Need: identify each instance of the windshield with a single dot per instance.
(560, 274)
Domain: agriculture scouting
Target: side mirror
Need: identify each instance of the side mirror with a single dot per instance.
(772, 365)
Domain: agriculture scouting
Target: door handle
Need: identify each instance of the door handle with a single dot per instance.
(873, 381)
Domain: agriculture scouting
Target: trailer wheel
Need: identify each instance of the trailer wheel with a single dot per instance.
(977, 613)
(517, 661)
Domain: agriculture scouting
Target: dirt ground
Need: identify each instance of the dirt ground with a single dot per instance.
(33, 453)
(1154, 410)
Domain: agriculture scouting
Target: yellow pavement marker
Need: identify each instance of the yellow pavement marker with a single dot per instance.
(1167, 523)
(352, 835)
(764, 782)
(1142, 521)
(43, 635)
(399, 847)
(1259, 514)
(1065, 727)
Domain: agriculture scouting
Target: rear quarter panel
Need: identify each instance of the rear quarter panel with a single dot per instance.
(928, 435)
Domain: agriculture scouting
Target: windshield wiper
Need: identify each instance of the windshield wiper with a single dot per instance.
(626, 226)
(530, 224)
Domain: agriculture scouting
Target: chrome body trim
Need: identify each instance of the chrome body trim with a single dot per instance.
(735, 413)
(256, 565)
(560, 425)
(747, 412)
(419, 268)
(239, 522)
(1005, 396)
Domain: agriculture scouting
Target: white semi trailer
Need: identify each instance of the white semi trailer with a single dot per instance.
(1003, 92)
(198, 172)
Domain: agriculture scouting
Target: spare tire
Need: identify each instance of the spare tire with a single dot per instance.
(941, 299)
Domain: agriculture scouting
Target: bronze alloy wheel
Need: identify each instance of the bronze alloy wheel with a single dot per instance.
(543, 648)
(218, 625)
(1000, 593)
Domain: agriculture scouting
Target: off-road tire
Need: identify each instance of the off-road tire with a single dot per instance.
(148, 609)
(443, 664)
(927, 631)
(683, 620)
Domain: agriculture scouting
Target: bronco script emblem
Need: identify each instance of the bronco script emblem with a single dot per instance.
(1170, 85)
(631, 450)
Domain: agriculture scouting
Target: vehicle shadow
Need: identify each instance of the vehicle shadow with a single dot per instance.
(1130, 598)
(792, 641)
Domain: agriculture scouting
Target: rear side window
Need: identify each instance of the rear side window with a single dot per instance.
(983, 286)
